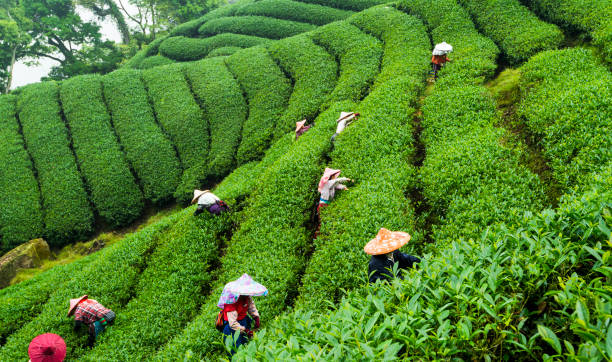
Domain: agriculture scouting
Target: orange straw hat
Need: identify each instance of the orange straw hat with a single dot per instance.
(197, 194)
(386, 241)
(74, 302)
(299, 125)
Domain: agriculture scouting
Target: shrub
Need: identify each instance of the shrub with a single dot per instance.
(181, 118)
(223, 52)
(21, 217)
(567, 107)
(183, 49)
(355, 5)
(153, 48)
(190, 28)
(255, 25)
(154, 61)
(136, 60)
(158, 172)
(67, 213)
(267, 92)
(358, 55)
(112, 188)
(313, 72)
(517, 31)
(225, 110)
(292, 10)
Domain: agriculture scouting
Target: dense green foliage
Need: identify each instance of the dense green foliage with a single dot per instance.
(255, 25)
(182, 49)
(112, 188)
(517, 31)
(67, 213)
(358, 55)
(292, 10)
(190, 28)
(21, 216)
(356, 5)
(181, 118)
(223, 51)
(225, 110)
(567, 107)
(158, 172)
(154, 61)
(313, 72)
(267, 92)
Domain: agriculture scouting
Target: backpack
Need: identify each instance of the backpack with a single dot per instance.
(219, 322)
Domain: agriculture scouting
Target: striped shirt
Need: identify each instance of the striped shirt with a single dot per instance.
(89, 311)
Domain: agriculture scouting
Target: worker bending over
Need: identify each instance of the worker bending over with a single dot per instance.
(301, 128)
(209, 201)
(92, 314)
(384, 250)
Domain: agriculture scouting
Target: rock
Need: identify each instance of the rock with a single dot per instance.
(28, 255)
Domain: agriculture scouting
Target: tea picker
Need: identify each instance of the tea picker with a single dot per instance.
(328, 184)
(384, 250)
(92, 314)
(439, 57)
(301, 128)
(237, 308)
(208, 200)
(345, 119)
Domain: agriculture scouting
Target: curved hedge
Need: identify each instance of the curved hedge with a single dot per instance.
(356, 5)
(67, 212)
(154, 61)
(21, 218)
(181, 118)
(223, 52)
(225, 110)
(267, 92)
(517, 31)
(190, 28)
(255, 25)
(293, 10)
(184, 49)
(358, 54)
(112, 188)
(158, 172)
(314, 74)
(567, 107)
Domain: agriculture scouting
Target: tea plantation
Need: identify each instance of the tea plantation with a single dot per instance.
(507, 271)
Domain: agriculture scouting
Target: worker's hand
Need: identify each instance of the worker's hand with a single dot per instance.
(257, 323)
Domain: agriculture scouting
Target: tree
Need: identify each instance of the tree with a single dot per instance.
(105, 8)
(14, 41)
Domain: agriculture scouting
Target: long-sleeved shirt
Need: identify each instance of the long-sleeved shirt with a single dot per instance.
(302, 131)
(208, 199)
(380, 265)
(89, 311)
(329, 189)
(237, 311)
(343, 123)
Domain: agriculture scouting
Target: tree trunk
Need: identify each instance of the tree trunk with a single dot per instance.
(119, 19)
(10, 76)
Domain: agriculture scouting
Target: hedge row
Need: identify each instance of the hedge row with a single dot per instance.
(517, 31)
(109, 277)
(567, 107)
(223, 52)
(407, 49)
(474, 56)
(591, 16)
(154, 61)
(255, 25)
(267, 91)
(67, 212)
(313, 72)
(112, 188)
(21, 217)
(184, 49)
(225, 110)
(158, 172)
(358, 55)
(190, 28)
(292, 10)
(169, 292)
(272, 242)
(355, 5)
(182, 119)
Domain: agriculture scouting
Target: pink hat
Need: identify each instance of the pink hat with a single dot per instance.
(48, 347)
(299, 125)
(74, 302)
(329, 172)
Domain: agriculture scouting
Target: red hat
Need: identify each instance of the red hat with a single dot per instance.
(48, 347)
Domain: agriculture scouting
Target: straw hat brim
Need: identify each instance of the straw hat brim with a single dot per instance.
(197, 195)
(74, 303)
(380, 246)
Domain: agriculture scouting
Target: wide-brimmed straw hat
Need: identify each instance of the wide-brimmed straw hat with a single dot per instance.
(386, 241)
(245, 285)
(197, 194)
(329, 172)
(48, 347)
(347, 115)
(299, 125)
(73, 304)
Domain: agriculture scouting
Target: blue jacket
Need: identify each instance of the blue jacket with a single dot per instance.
(380, 267)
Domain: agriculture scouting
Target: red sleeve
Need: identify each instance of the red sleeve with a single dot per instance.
(229, 307)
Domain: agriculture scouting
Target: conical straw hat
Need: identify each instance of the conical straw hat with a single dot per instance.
(386, 241)
(329, 172)
(299, 125)
(74, 302)
(197, 194)
(347, 115)
(245, 285)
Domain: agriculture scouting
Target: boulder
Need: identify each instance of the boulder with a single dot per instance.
(28, 255)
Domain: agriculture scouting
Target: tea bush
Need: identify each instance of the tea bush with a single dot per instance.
(267, 91)
(112, 188)
(355, 5)
(158, 172)
(154, 61)
(255, 25)
(184, 49)
(358, 55)
(567, 107)
(190, 28)
(181, 118)
(313, 72)
(21, 218)
(293, 10)
(223, 52)
(225, 110)
(517, 31)
(67, 212)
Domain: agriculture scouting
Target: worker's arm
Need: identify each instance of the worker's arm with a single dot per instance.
(232, 320)
(406, 261)
(338, 183)
(253, 309)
